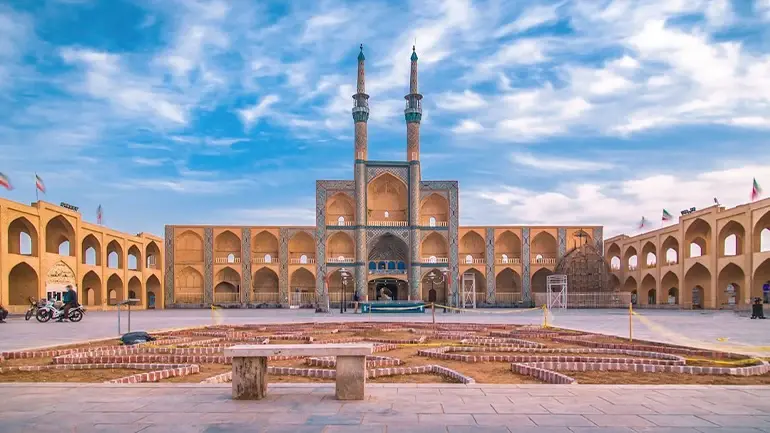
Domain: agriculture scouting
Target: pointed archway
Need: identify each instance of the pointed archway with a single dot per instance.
(153, 290)
(92, 289)
(22, 285)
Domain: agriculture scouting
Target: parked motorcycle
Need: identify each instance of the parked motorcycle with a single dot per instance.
(34, 306)
(50, 311)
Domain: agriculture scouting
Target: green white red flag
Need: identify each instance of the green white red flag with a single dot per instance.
(5, 182)
(667, 216)
(39, 183)
(756, 190)
(643, 223)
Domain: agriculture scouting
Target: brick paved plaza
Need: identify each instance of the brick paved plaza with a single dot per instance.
(429, 408)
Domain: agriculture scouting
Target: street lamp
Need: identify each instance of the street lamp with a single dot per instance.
(344, 275)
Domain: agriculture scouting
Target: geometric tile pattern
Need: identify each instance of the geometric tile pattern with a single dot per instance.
(168, 292)
(490, 255)
(246, 265)
(526, 281)
(562, 234)
(208, 265)
(599, 239)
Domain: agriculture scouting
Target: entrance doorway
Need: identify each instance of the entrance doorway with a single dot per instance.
(388, 289)
(432, 295)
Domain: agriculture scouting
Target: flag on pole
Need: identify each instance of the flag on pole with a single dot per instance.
(643, 223)
(99, 215)
(667, 216)
(5, 182)
(716, 201)
(39, 183)
(756, 190)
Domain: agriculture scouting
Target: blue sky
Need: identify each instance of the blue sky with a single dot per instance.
(215, 112)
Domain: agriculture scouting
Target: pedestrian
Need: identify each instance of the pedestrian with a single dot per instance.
(356, 299)
(3, 313)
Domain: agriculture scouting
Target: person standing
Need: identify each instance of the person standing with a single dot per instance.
(70, 299)
(3, 313)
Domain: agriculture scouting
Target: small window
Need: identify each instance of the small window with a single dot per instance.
(401, 266)
(341, 221)
(505, 258)
(381, 265)
(432, 259)
(372, 265)
(469, 259)
(303, 259)
(539, 258)
(432, 221)
(268, 258)
(387, 214)
(341, 258)
(231, 258)
(391, 265)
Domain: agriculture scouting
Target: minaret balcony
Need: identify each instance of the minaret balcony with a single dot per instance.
(434, 259)
(539, 259)
(511, 260)
(340, 259)
(227, 259)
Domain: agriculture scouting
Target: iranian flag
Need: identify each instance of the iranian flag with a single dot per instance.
(756, 190)
(667, 216)
(39, 183)
(5, 182)
(642, 223)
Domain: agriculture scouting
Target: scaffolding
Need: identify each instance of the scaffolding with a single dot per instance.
(469, 290)
(556, 291)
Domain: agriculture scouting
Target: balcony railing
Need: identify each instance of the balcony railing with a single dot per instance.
(272, 259)
(541, 260)
(188, 298)
(508, 296)
(299, 261)
(227, 297)
(433, 259)
(650, 265)
(671, 262)
(336, 296)
(226, 260)
(340, 260)
(302, 298)
(615, 267)
(472, 261)
(508, 261)
(389, 223)
(429, 223)
(632, 267)
(265, 298)
(341, 223)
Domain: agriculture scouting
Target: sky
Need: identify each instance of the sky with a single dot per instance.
(227, 112)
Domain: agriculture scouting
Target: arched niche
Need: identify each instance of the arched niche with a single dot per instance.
(135, 290)
(189, 247)
(732, 239)
(434, 286)
(264, 247)
(91, 251)
(630, 285)
(302, 280)
(613, 252)
(387, 199)
(544, 248)
(153, 290)
(22, 237)
(507, 247)
(340, 205)
(670, 247)
(134, 258)
(114, 290)
(115, 255)
(630, 259)
(507, 286)
(60, 237)
(540, 280)
(265, 281)
(729, 283)
(698, 280)
(434, 245)
(22, 284)
(697, 237)
(479, 280)
(227, 244)
(188, 286)
(669, 284)
(92, 293)
(649, 284)
(650, 255)
(472, 244)
(434, 210)
(761, 233)
(301, 244)
(339, 245)
(153, 259)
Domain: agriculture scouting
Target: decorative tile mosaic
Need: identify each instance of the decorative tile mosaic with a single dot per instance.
(598, 236)
(490, 255)
(168, 290)
(246, 265)
(562, 234)
(208, 265)
(526, 280)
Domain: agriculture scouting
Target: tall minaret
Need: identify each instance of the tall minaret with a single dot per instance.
(413, 115)
(360, 117)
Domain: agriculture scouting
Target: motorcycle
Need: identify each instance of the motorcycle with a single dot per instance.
(50, 311)
(34, 306)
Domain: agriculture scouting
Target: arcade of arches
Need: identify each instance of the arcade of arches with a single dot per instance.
(714, 258)
(47, 247)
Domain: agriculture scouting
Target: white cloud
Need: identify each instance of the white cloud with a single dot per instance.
(558, 164)
(149, 162)
(467, 126)
(251, 114)
(618, 204)
(762, 8)
(530, 18)
(467, 100)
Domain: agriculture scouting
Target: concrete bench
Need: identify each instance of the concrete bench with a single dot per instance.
(250, 367)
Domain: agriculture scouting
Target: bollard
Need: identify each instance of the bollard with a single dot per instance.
(630, 322)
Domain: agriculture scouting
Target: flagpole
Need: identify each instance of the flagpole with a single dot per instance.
(37, 197)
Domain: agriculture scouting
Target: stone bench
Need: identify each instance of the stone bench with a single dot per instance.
(250, 367)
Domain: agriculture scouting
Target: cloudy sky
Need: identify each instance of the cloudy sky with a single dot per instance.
(176, 112)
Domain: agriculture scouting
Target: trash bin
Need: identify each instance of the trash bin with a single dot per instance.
(757, 309)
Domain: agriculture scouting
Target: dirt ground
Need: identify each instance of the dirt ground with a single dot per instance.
(68, 375)
(482, 372)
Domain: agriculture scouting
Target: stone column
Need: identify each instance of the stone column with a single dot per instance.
(351, 377)
(208, 266)
(415, 274)
(360, 235)
(168, 289)
(599, 241)
(526, 279)
(246, 265)
(454, 260)
(562, 241)
(283, 265)
(249, 378)
(490, 253)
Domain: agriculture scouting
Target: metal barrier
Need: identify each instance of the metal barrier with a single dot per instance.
(128, 303)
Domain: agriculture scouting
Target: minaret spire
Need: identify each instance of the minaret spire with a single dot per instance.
(413, 113)
(361, 110)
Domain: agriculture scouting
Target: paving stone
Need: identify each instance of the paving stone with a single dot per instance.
(678, 421)
(602, 430)
(419, 407)
(225, 427)
(675, 408)
(391, 418)
(624, 409)
(178, 428)
(737, 420)
(508, 420)
(445, 419)
(568, 409)
(468, 408)
(477, 429)
(523, 409)
(422, 428)
(619, 421)
(293, 429)
(674, 430)
(334, 419)
(552, 420)
(355, 428)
